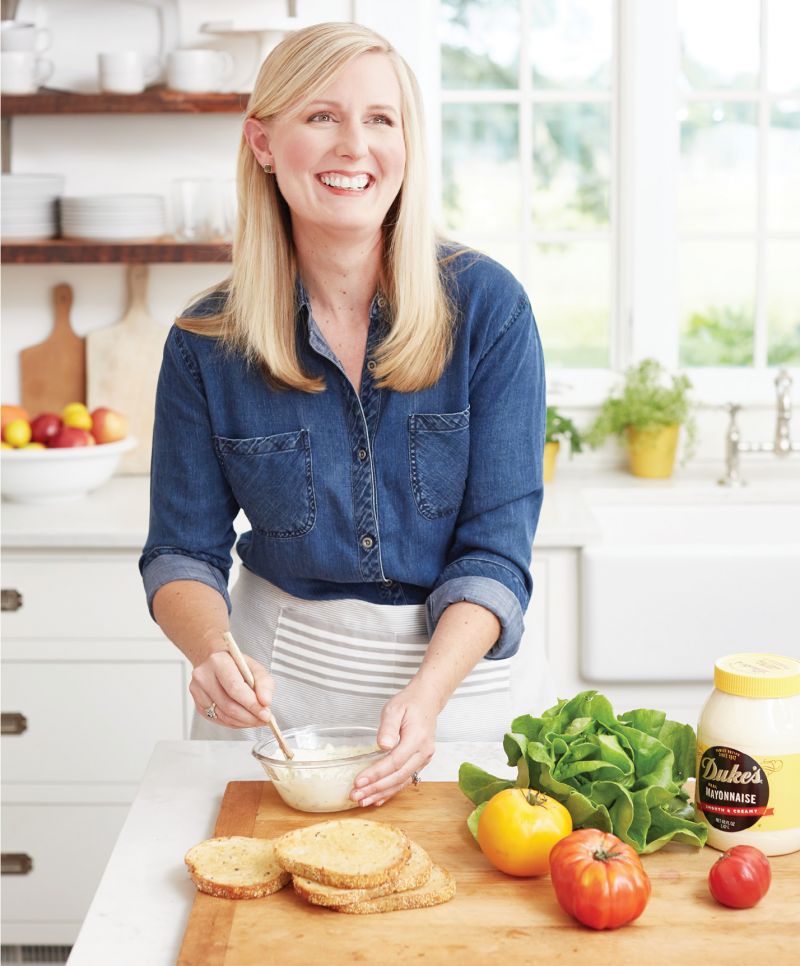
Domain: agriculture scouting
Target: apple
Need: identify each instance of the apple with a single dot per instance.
(108, 426)
(44, 427)
(71, 436)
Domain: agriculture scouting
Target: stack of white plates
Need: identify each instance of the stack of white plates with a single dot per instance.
(114, 217)
(30, 206)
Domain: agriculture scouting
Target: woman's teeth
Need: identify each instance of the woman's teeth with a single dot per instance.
(356, 183)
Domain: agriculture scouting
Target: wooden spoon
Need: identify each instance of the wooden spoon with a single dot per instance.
(247, 674)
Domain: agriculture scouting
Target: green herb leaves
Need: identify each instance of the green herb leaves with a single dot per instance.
(622, 774)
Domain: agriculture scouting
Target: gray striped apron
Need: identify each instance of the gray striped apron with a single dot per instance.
(339, 662)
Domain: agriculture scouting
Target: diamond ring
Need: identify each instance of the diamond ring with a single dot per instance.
(212, 711)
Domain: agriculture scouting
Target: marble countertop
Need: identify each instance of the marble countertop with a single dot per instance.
(141, 907)
(116, 517)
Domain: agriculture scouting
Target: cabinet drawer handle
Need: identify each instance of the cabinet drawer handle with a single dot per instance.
(14, 723)
(10, 599)
(16, 863)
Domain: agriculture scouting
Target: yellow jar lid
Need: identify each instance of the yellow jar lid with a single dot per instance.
(757, 675)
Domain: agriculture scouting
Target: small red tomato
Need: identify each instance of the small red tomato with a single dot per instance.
(598, 879)
(740, 877)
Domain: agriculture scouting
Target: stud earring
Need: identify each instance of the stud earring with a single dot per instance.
(268, 169)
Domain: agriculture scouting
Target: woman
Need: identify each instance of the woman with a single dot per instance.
(375, 405)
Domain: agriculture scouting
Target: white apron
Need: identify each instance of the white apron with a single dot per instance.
(339, 661)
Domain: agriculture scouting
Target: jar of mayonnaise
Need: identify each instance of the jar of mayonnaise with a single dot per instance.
(748, 754)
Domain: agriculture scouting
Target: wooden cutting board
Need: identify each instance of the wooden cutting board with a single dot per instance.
(493, 918)
(123, 361)
(53, 373)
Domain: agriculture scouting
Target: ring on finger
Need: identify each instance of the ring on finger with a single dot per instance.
(211, 710)
(415, 779)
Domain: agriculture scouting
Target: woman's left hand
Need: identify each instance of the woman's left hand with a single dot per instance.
(408, 727)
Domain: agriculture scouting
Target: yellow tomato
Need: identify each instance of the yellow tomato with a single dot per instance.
(518, 828)
(17, 433)
(5, 445)
(76, 414)
(34, 446)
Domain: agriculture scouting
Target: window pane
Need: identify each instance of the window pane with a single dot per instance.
(480, 44)
(783, 156)
(783, 303)
(572, 165)
(571, 43)
(570, 290)
(718, 168)
(480, 166)
(783, 29)
(719, 43)
(716, 299)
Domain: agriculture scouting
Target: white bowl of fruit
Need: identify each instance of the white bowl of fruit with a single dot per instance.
(58, 457)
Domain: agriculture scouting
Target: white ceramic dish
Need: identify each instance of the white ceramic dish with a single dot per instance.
(44, 476)
(82, 29)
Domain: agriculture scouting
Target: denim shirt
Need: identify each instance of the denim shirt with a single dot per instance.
(394, 498)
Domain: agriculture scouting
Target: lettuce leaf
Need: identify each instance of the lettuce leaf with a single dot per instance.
(622, 774)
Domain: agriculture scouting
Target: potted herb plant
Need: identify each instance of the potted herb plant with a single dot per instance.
(648, 411)
(558, 427)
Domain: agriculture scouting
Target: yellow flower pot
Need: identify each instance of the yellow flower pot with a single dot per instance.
(550, 454)
(651, 452)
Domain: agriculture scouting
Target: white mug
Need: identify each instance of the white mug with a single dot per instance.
(22, 72)
(16, 35)
(126, 72)
(198, 70)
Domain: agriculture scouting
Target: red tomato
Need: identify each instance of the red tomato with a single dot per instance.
(740, 877)
(598, 879)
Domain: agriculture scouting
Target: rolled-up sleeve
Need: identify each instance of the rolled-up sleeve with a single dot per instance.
(489, 560)
(192, 508)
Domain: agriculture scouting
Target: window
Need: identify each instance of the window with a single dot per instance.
(528, 158)
(636, 166)
(739, 184)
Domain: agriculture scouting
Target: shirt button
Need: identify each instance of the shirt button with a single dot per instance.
(362, 454)
(367, 543)
(381, 302)
(388, 583)
(372, 365)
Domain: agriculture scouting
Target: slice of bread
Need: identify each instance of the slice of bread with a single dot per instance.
(413, 874)
(236, 867)
(346, 853)
(440, 887)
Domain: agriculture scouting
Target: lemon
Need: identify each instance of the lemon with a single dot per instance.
(77, 415)
(17, 432)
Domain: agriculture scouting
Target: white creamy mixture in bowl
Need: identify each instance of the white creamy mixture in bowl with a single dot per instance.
(326, 761)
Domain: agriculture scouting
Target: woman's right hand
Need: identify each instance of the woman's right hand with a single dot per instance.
(218, 681)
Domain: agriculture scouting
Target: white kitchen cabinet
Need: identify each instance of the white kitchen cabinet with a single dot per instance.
(89, 686)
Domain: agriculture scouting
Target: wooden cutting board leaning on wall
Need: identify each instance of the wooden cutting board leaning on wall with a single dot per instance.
(123, 361)
(53, 373)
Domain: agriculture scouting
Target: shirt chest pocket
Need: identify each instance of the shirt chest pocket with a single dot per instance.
(439, 455)
(272, 480)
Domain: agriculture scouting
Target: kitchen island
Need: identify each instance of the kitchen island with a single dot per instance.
(139, 913)
(143, 904)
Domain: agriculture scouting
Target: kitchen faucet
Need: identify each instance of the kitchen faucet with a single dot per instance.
(782, 444)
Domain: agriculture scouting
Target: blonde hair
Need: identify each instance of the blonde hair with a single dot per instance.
(259, 317)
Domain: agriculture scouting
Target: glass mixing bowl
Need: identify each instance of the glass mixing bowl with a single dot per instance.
(320, 777)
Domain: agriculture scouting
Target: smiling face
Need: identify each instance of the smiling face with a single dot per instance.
(339, 159)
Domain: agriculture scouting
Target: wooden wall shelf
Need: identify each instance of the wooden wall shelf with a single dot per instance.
(155, 100)
(69, 251)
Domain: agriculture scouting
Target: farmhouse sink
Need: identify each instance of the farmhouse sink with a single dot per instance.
(678, 577)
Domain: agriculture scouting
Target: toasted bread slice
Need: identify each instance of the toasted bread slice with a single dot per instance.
(236, 867)
(440, 887)
(413, 874)
(346, 853)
